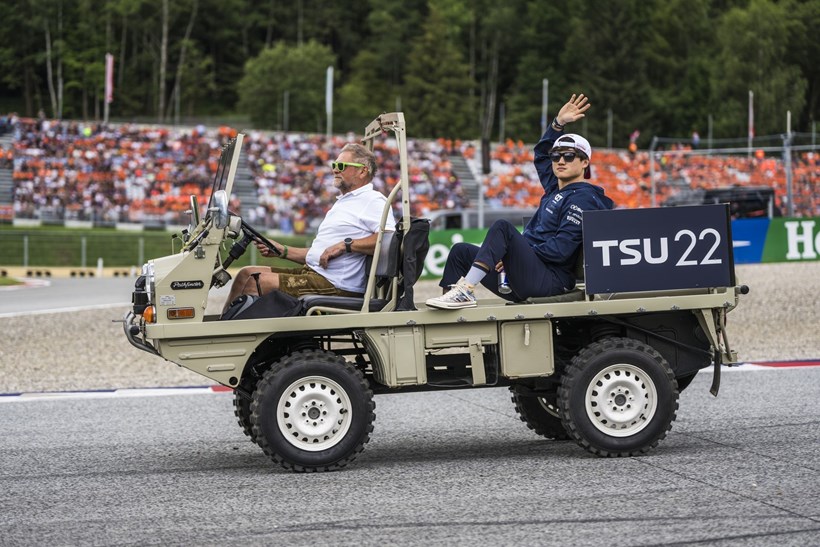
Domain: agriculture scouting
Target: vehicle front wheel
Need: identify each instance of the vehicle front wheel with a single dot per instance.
(618, 397)
(540, 414)
(312, 411)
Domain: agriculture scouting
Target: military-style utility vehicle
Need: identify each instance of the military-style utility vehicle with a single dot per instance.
(601, 365)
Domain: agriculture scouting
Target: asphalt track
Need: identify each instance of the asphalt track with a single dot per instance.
(443, 468)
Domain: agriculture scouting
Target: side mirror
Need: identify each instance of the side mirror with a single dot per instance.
(220, 209)
(194, 211)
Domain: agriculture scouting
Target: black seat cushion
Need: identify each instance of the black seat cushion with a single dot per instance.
(340, 302)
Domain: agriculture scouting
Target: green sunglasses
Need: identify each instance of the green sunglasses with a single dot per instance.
(342, 165)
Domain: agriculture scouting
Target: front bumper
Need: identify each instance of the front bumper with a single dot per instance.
(132, 332)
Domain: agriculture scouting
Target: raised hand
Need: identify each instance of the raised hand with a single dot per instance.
(574, 109)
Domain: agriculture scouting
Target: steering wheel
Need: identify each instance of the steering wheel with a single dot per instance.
(254, 235)
(221, 275)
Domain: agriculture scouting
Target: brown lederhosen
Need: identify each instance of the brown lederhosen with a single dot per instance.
(304, 280)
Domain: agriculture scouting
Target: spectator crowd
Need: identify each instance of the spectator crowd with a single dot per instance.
(137, 174)
(66, 170)
(627, 176)
(295, 183)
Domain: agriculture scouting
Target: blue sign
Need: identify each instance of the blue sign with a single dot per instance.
(748, 239)
(628, 250)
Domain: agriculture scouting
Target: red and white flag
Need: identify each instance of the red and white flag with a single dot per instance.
(109, 78)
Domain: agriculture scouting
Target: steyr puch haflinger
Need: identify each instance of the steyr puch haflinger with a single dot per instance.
(602, 365)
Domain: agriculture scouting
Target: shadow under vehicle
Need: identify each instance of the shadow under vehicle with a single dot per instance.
(602, 369)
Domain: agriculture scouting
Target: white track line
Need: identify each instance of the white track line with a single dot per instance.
(122, 305)
(201, 390)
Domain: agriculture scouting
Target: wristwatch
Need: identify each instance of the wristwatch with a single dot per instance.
(348, 243)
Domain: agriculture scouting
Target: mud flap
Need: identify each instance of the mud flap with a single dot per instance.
(716, 376)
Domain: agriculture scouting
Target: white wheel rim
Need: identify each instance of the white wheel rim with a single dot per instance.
(621, 400)
(550, 409)
(314, 413)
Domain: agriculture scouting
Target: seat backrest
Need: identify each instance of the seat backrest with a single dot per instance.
(401, 260)
(389, 259)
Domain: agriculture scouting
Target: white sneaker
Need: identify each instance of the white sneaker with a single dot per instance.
(459, 296)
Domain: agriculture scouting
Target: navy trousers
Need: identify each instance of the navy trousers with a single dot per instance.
(527, 274)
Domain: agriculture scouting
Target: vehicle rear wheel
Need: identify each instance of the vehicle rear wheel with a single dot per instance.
(312, 411)
(540, 414)
(242, 411)
(618, 397)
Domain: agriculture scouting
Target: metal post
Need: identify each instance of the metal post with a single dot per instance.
(652, 170)
(141, 251)
(329, 101)
(109, 85)
(545, 97)
(25, 251)
(83, 247)
(787, 162)
(751, 121)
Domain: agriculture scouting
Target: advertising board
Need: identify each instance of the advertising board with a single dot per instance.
(754, 240)
(628, 250)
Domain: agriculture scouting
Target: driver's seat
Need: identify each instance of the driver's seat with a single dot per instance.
(387, 267)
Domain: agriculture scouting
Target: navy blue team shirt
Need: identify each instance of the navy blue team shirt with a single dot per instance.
(555, 231)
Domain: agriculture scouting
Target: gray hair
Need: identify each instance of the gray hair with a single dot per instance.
(361, 154)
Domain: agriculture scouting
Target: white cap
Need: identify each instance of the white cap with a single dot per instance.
(577, 142)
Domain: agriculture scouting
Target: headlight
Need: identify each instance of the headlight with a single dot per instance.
(143, 294)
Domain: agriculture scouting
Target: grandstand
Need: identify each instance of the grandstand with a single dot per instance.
(627, 176)
(68, 172)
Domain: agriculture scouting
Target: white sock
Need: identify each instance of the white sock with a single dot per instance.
(475, 275)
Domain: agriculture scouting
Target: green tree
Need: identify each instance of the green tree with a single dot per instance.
(679, 53)
(437, 85)
(365, 95)
(753, 44)
(543, 34)
(603, 58)
(804, 51)
(393, 24)
(298, 70)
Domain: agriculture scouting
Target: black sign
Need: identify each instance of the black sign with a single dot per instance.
(180, 285)
(628, 250)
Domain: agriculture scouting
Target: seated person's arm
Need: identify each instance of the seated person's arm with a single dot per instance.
(295, 254)
(365, 245)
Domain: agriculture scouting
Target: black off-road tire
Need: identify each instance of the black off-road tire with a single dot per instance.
(312, 411)
(242, 411)
(618, 398)
(540, 414)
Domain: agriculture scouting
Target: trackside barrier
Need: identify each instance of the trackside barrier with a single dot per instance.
(754, 240)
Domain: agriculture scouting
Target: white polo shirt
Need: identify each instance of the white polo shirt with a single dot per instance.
(356, 215)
